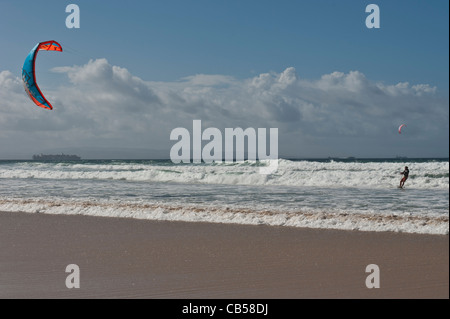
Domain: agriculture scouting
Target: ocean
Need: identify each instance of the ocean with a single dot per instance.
(348, 194)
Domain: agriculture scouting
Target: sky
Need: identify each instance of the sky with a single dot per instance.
(136, 70)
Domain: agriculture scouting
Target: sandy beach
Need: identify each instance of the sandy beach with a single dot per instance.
(126, 258)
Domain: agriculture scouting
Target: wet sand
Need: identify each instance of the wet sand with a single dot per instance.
(126, 258)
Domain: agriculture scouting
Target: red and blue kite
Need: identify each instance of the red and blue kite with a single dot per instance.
(29, 76)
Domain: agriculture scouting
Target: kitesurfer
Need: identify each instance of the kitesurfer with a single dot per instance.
(405, 174)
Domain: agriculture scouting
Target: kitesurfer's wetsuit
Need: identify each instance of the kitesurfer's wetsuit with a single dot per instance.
(405, 174)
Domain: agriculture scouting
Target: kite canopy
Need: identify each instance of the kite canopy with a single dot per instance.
(29, 76)
(400, 128)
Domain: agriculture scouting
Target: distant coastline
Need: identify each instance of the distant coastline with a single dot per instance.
(57, 157)
(295, 159)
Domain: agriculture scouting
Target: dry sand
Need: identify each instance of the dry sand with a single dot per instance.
(126, 258)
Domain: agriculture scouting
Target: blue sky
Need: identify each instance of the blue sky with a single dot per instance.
(167, 40)
(165, 43)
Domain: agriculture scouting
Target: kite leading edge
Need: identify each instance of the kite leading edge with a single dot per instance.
(29, 76)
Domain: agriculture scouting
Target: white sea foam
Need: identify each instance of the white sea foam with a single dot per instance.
(424, 175)
(430, 224)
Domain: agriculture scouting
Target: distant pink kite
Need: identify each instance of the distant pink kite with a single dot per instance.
(400, 128)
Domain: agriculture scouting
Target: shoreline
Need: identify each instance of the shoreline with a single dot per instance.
(321, 220)
(131, 258)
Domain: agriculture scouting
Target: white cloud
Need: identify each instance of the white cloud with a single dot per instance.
(106, 105)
